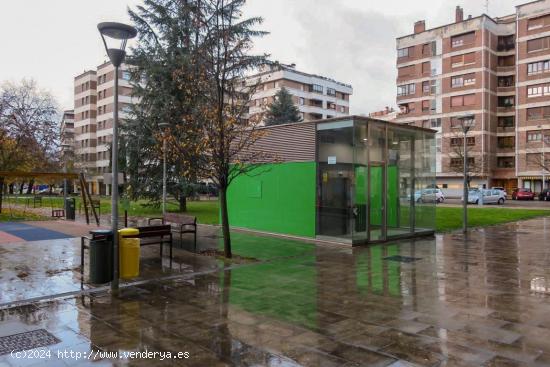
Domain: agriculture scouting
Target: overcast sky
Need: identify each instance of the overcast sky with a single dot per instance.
(352, 41)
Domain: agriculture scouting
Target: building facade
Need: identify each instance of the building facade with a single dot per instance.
(316, 97)
(66, 132)
(490, 72)
(93, 116)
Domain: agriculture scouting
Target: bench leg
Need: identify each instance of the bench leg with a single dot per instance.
(161, 243)
(171, 242)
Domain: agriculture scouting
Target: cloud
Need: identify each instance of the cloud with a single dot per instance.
(353, 46)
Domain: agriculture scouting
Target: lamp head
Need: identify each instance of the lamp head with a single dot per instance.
(114, 36)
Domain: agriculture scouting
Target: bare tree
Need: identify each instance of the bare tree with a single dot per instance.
(28, 129)
(475, 162)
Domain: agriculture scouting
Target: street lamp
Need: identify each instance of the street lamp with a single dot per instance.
(542, 161)
(64, 149)
(467, 122)
(164, 126)
(115, 36)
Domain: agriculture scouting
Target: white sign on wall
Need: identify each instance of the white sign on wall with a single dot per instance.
(331, 159)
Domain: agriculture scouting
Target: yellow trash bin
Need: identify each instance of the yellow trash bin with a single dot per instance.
(129, 251)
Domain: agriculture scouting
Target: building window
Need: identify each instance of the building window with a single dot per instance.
(342, 109)
(505, 61)
(302, 101)
(464, 59)
(405, 90)
(465, 100)
(316, 88)
(504, 142)
(463, 80)
(331, 92)
(435, 123)
(538, 44)
(505, 162)
(470, 140)
(405, 71)
(425, 105)
(428, 49)
(537, 113)
(538, 22)
(538, 91)
(505, 81)
(426, 67)
(403, 52)
(463, 39)
(534, 136)
(459, 162)
(126, 75)
(538, 67)
(506, 101)
(506, 121)
(426, 87)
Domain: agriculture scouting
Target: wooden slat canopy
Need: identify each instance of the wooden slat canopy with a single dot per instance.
(42, 175)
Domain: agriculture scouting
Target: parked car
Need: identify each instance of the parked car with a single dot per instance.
(544, 195)
(489, 196)
(523, 194)
(429, 196)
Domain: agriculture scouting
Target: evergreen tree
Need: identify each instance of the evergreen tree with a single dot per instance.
(282, 110)
(168, 40)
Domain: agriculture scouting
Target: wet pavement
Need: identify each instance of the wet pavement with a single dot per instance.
(480, 300)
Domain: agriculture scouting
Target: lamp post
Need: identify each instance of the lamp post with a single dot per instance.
(164, 126)
(467, 123)
(542, 160)
(115, 36)
(65, 148)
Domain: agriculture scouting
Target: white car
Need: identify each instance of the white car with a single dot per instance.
(429, 196)
(489, 196)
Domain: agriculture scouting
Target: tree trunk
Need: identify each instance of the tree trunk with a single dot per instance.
(183, 203)
(225, 223)
(21, 188)
(1, 192)
(11, 188)
(29, 188)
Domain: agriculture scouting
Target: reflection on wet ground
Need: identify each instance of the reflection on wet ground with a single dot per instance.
(483, 300)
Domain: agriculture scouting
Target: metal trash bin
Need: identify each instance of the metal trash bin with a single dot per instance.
(70, 208)
(101, 256)
(129, 252)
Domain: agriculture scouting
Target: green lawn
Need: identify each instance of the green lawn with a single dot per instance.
(205, 211)
(447, 218)
(450, 218)
(9, 215)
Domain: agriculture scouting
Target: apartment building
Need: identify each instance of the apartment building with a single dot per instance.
(387, 114)
(66, 132)
(493, 73)
(316, 97)
(94, 114)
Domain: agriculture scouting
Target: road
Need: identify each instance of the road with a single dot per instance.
(517, 204)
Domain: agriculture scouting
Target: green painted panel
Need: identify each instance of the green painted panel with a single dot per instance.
(376, 195)
(393, 196)
(276, 198)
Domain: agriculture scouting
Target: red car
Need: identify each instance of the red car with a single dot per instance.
(523, 194)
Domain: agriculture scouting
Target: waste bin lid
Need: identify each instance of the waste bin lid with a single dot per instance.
(128, 232)
(102, 232)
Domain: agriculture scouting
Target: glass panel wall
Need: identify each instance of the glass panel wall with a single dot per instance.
(335, 181)
(424, 182)
(375, 181)
(399, 192)
(361, 159)
(377, 178)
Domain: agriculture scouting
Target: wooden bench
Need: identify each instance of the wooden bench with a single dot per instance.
(181, 223)
(154, 235)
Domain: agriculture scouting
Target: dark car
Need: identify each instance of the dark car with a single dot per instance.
(545, 195)
(523, 194)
